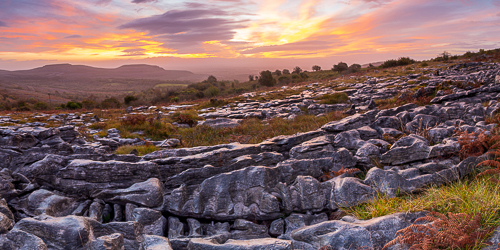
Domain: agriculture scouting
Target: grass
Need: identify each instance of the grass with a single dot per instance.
(335, 98)
(472, 195)
(253, 130)
(142, 149)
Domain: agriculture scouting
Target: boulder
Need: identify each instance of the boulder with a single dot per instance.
(407, 149)
(148, 193)
(108, 242)
(369, 234)
(256, 244)
(245, 230)
(155, 242)
(42, 201)
(153, 221)
(70, 232)
(86, 177)
(351, 122)
(20, 240)
(220, 123)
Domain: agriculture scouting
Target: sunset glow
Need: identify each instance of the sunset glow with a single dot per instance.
(112, 32)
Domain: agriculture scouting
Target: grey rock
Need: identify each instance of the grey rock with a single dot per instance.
(372, 104)
(59, 233)
(5, 223)
(370, 234)
(4, 209)
(407, 149)
(388, 122)
(267, 243)
(129, 211)
(307, 195)
(348, 139)
(154, 242)
(175, 228)
(296, 221)
(195, 229)
(109, 242)
(277, 227)
(96, 209)
(351, 122)
(421, 122)
(117, 212)
(42, 201)
(84, 177)
(153, 221)
(346, 192)
(20, 240)
(388, 182)
(148, 193)
(367, 133)
(240, 194)
(220, 123)
(245, 230)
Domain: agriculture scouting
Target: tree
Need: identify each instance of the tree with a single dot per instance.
(277, 72)
(286, 72)
(355, 68)
(211, 79)
(129, 98)
(445, 55)
(266, 79)
(297, 70)
(316, 68)
(341, 66)
(250, 77)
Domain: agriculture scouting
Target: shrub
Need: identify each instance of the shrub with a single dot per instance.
(335, 98)
(89, 104)
(189, 117)
(110, 103)
(286, 72)
(304, 75)
(340, 67)
(284, 80)
(277, 72)
(73, 105)
(266, 79)
(128, 99)
(316, 68)
(41, 106)
(212, 91)
(402, 61)
(174, 99)
(355, 68)
(133, 120)
(424, 64)
(250, 78)
(211, 79)
(297, 70)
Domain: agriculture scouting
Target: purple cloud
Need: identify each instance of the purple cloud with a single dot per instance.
(3, 24)
(188, 27)
(143, 1)
(73, 36)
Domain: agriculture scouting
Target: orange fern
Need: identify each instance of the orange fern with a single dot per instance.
(330, 175)
(452, 231)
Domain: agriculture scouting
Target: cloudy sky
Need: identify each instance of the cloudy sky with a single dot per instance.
(178, 34)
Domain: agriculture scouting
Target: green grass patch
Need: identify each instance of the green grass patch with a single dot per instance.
(142, 149)
(335, 98)
(471, 196)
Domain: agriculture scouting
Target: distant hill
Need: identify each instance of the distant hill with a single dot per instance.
(66, 81)
(137, 71)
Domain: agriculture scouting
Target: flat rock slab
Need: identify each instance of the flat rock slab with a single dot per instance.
(257, 244)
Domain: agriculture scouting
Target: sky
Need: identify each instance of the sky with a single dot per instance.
(211, 34)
